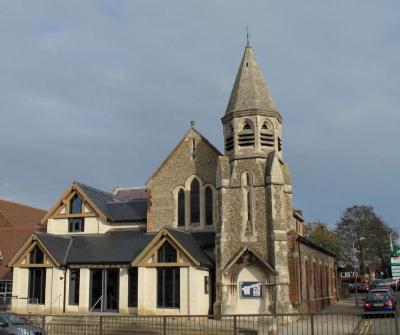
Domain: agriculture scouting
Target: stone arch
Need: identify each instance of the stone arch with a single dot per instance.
(246, 269)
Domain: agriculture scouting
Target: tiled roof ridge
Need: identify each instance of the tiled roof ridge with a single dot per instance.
(21, 205)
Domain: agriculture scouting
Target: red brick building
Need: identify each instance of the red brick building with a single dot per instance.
(17, 223)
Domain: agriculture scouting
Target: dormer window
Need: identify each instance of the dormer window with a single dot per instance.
(267, 136)
(75, 205)
(76, 224)
(246, 135)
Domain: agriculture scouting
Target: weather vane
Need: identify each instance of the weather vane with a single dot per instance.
(247, 36)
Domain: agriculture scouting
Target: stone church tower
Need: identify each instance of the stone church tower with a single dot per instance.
(254, 199)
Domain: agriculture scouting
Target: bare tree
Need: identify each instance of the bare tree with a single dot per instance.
(364, 239)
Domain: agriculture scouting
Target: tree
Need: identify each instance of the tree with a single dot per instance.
(319, 233)
(364, 239)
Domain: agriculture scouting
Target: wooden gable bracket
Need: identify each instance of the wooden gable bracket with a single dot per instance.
(22, 258)
(148, 257)
(56, 211)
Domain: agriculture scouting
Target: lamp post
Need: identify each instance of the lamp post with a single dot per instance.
(355, 267)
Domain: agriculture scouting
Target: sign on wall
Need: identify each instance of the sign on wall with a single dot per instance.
(251, 289)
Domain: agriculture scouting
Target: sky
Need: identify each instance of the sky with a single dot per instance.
(101, 91)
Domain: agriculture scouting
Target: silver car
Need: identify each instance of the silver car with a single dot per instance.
(13, 324)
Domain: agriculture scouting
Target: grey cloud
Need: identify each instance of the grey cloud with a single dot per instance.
(101, 91)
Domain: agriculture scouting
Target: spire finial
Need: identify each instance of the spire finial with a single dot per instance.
(193, 124)
(247, 36)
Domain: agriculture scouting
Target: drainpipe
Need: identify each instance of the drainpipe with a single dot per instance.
(188, 290)
(65, 288)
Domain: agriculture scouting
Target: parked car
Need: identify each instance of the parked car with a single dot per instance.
(12, 324)
(393, 283)
(387, 289)
(380, 300)
(374, 283)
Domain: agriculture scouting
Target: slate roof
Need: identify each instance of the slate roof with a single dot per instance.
(119, 246)
(192, 245)
(130, 194)
(115, 208)
(313, 245)
(250, 90)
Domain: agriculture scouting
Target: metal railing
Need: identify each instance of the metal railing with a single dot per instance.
(379, 323)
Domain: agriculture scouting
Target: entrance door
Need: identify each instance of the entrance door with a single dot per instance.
(104, 293)
(96, 282)
(112, 290)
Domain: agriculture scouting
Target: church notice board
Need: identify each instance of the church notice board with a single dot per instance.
(251, 289)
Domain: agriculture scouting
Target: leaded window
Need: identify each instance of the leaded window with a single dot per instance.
(181, 208)
(195, 201)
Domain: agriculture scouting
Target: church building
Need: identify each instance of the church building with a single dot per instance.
(210, 233)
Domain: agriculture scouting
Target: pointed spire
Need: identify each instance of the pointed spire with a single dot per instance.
(250, 90)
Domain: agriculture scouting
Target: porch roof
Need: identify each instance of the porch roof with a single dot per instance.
(118, 246)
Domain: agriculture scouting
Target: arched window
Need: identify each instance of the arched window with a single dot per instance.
(195, 201)
(209, 205)
(246, 135)
(75, 206)
(247, 205)
(181, 208)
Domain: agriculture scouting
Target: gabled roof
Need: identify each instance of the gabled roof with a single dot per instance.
(190, 131)
(17, 223)
(18, 215)
(118, 246)
(115, 208)
(250, 90)
(191, 244)
(107, 205)
(187, 244)
(11, 240)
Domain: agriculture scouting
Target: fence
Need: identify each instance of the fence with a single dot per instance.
(283, 324)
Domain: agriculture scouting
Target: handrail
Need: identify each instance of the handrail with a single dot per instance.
(86, 318)
(98, 300)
